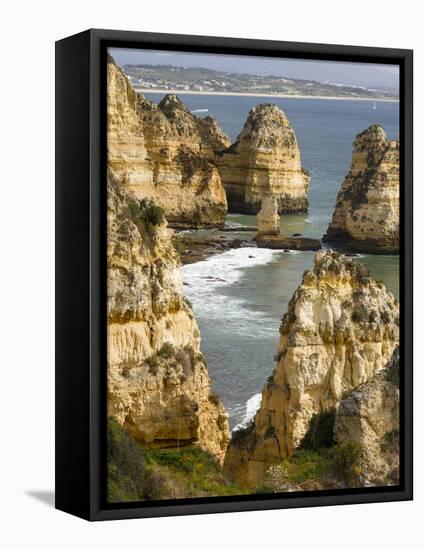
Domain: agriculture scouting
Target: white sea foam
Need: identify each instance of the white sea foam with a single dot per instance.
(203, 279)
(251, 407)
(292, 252)
(225, 268)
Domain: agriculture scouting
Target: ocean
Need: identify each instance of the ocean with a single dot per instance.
(240, 296)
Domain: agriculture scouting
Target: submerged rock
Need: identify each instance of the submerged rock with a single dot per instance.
(288, 243)
(366, 216)
(341, 328)
(264, 159)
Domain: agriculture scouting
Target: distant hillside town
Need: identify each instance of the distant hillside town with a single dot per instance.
(201, 80)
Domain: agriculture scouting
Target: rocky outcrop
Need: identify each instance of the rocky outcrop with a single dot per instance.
(275, 242)
(268, 219)
(268, 230)
(366, 216)
(202, 135)
(264, 159)
(369, 417)
(163, 151)
(158, 384)
(341, 328)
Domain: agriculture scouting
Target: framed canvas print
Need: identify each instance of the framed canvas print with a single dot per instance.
(234, 274)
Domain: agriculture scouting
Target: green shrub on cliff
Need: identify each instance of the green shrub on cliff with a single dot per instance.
(147, 211)
(135, 474)
(126, 470)
(187, 472)
(345, 461)
(328, 467)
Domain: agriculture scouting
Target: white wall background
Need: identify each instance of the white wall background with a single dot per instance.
(28, 32)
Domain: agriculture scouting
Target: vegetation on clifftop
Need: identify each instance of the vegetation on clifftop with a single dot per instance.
(136, 474)
(319, 462)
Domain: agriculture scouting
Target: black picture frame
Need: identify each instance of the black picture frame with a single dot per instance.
(81, 272)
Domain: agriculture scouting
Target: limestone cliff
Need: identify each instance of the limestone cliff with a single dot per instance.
(163, 151)
(202, 135)
(158, 384)
(264, 159)
(340, 329)
(268, 219)
(366, 215)
(369, 417)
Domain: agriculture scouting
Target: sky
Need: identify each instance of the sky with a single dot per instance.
(369, 75)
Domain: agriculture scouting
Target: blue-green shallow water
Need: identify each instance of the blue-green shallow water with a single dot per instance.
(239, 297)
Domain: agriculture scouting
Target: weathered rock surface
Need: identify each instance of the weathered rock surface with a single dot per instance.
(264, 159)
(366, 216)
(202, 135)
(341, 328)
(369, 416)
(163, 151)
(158, 384)
(268, 219)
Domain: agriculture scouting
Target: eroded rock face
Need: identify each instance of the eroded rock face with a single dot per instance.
(366, 215)
(163, 151)
(158, 384)
(369, 416)
(268, 219)
(203, 135)
(340, 329)
(264, 159)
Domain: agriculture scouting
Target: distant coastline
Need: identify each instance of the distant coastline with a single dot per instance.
(285, 96)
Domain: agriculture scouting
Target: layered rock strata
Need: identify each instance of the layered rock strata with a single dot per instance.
(369, 417)
(264, 159)
(165, 152)
(158, 384)
(366, 216)
(341, 328)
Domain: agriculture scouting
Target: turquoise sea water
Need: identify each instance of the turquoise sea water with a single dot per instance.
(239, 297)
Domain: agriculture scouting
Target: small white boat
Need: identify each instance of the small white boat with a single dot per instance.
(200, 111)
(374, 106)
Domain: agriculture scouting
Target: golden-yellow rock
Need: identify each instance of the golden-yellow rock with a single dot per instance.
(165, 152)
(369, 417)
(268, 219)
(264, 159)
(340, 329)
(158, 384)
(366, 215)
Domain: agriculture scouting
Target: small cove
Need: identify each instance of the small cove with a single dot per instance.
(240, 296)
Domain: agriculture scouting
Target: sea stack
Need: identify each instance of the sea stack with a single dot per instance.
(264, 159)
(269, 234)
(341, 328)
(165, 152)
(366, 216)
(268, 219)
(159, 389)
